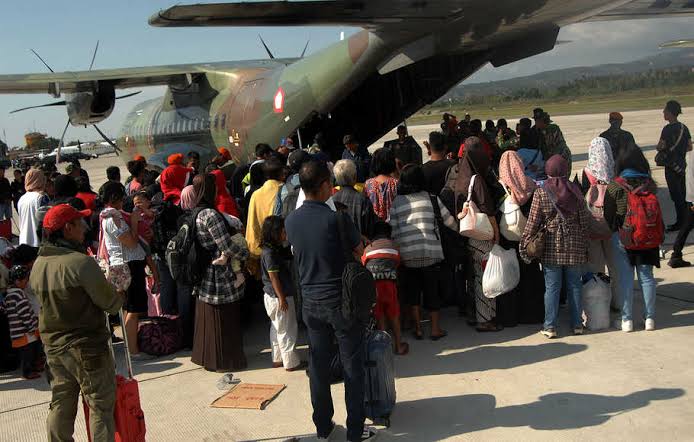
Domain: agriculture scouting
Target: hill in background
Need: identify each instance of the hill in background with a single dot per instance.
(548, 81)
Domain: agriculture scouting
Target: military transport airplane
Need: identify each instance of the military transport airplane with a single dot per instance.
(409, 53)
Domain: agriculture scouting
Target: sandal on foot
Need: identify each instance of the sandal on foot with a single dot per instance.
(443, 334)
(404, 349)
(488, 327)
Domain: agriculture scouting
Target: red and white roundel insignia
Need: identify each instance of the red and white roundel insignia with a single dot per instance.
(278, 102)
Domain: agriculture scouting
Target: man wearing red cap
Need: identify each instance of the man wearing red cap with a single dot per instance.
(174, 178)
(619, 139)
(223, 201)
(74, 295)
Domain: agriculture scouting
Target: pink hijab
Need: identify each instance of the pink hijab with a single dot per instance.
(189, 199)
(512, 175)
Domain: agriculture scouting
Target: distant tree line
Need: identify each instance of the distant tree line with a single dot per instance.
(588, 86)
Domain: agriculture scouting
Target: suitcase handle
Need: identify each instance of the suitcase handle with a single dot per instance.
(128, 361)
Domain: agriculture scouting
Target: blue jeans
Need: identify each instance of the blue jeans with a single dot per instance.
(554, 276)
(324, 323)
(626, 282)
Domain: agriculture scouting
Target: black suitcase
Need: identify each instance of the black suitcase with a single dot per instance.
(379, 395)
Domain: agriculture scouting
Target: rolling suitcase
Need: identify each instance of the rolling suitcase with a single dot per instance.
(379, 394)
(127, 413)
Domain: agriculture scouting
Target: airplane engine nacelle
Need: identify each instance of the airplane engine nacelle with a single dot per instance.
(92, 106)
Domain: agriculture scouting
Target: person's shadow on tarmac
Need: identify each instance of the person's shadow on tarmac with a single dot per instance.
(438, 418)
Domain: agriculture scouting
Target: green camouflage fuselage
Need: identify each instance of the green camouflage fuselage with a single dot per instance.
(238, 108)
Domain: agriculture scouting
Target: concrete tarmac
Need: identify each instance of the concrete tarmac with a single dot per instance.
(507, 386)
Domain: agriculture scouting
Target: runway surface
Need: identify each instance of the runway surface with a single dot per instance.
(509, 386)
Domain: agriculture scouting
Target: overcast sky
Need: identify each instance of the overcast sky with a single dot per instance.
(65, 33)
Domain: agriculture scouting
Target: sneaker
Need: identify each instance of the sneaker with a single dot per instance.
(677, 263)
(369, 434)
(578, 331)
(330, 435)
(550, 333)
(650, 324)
(628, 326)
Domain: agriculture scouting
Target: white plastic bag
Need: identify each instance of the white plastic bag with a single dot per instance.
(502, 273)
(475, 224)
(595, 298)
(512, 219)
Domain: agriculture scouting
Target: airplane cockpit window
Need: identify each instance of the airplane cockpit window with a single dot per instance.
(224, 121)
(216, 121)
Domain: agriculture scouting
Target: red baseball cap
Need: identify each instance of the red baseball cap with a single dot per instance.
(58, 216)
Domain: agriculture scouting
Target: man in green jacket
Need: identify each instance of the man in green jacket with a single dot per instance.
(74, 297)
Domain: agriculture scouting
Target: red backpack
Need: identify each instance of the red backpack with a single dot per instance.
(643, 226)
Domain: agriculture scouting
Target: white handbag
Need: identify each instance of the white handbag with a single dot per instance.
(475, 224)
(512, 219)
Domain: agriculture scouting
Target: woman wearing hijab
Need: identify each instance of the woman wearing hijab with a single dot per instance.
(525, 304)
(218, 340)
(559, 207)
(475, 163)
(28, 207)
(597, 175)
(634, 170)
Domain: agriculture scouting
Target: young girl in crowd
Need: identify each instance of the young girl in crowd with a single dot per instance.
(279, 295)
(143, 206)
(24, 323)
(633, 172)
(382, 259)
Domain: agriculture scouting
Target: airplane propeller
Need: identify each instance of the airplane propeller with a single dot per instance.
(269, 53)
(272, 56)
(64, 102)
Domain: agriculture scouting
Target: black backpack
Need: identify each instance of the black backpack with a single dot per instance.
(186, 258)
(165, 226)
(358, 286)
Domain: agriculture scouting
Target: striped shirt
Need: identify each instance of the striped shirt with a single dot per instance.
(382, 258)
(415, 229)
(21, 317)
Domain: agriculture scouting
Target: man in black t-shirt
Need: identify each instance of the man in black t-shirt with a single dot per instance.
(405, 148)
(675, 142)
(436, 168)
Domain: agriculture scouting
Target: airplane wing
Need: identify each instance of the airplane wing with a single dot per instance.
(58, 82)
(378, 13)
(370, 14)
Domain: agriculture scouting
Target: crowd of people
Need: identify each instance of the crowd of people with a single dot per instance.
(279, 231)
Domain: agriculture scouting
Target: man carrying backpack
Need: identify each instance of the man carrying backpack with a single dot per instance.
(313, 232)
